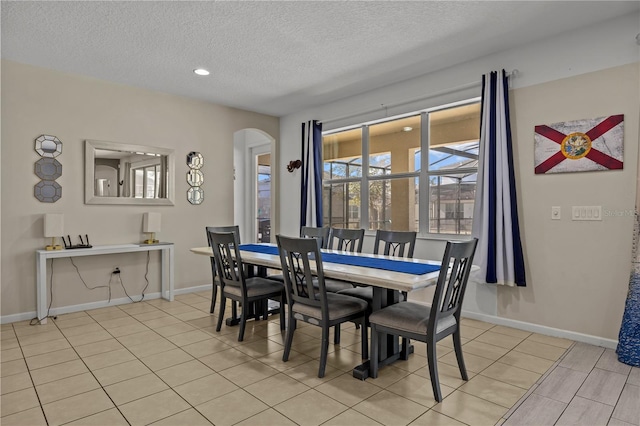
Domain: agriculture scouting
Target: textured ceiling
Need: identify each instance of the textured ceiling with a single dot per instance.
(277, 57)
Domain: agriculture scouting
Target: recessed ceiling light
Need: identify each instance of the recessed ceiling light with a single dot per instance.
(201, 71)
(407, 129)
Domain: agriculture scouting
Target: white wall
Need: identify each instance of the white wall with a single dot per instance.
(37, 101)
(548, 65)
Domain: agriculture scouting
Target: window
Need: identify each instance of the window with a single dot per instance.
(373, 174)
(146, 181)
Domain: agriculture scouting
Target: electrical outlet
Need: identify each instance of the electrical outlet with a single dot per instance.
(116, 270)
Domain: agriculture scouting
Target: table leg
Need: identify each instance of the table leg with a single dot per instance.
(388, 347)
(41, 288)
(166, 273)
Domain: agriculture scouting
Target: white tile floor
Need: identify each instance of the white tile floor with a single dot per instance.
(160, 362)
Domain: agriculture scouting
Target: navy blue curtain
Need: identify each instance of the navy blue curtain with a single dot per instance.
(311, 182)
(495, 216)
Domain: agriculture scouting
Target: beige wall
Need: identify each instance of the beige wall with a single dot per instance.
(577, 272)
(36, 101)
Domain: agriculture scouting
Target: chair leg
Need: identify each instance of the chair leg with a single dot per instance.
(373, 359)
(243, 322)
(433, 369)
(282, 314)
(223, 302)
(457, 345)
(324, 350)
(365, 339)
(214, 296)
(336, 334)
(291, 327)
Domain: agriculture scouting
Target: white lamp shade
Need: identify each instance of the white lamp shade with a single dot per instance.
(53, 225)
(151, 222)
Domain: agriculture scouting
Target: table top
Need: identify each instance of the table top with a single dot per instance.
(106, 249)
(357, 274)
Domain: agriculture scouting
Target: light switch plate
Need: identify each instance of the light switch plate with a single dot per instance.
(589, 213)
(556, 213)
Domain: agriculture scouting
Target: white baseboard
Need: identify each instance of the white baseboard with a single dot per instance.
(541, 329)
(534, 328)
(206, 287)
(76, 308)
(25, 316)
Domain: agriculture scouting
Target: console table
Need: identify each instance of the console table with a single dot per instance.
(41, 267)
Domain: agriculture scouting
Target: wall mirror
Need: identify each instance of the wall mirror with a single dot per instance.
(117, 173)
(195, 160)
(195, 177)
(48, 146)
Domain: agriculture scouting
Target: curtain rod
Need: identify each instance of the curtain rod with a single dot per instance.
(513, 73)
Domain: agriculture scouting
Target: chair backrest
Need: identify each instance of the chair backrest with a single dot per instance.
(227, 258)
(452, 281)
(395, 243)
(347, 239)
(296, 255)
(235, 229)
(322, 234)
(209, 229)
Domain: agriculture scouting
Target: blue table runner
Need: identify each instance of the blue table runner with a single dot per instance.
(369, 262)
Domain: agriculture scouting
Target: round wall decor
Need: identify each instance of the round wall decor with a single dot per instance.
(195, 195)
(195, 160)
(48, 146)
(195, 177)
(48, 169)
(48, 191)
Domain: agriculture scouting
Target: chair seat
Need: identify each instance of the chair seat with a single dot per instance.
(277, 277)
(364, 293)
(332, 286)
(340, 306)
(409, 317)
(256, 286)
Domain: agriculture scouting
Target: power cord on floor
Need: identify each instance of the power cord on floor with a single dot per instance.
(108, 286)
(118, 273)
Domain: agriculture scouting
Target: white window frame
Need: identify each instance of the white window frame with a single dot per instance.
(423, 174)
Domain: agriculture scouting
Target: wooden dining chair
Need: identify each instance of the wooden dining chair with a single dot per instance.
(321, 234)
(430, 324)
(235, 286)
(346, 239)
(235, 229)
(394, 243)
(314, 305)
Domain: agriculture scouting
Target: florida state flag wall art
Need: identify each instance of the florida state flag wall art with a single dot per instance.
(579, 146)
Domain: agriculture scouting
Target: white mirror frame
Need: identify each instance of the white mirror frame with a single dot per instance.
(89, 174)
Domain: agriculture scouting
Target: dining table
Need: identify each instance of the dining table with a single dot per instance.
(389, 276)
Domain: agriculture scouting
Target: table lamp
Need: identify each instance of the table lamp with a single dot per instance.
(53, 228)
(151, 225)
